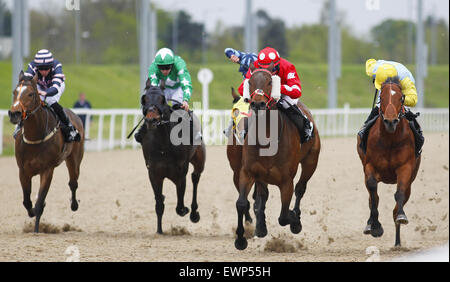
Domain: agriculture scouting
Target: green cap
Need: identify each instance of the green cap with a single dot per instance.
(164, 56)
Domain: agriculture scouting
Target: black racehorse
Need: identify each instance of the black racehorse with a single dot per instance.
(165, 157)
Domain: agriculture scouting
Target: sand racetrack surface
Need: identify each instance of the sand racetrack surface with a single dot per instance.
(116, 219)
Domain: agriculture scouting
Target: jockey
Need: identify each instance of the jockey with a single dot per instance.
(243, 59)
(171, 71)
(290, 89)
(379, 71)
(51, 86)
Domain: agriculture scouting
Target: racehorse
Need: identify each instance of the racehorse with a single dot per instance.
(164, 159)
(40, 146)
(390, 157)
(278, 169)
(234, 155)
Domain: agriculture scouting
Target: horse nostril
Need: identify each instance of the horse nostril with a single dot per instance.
(395, 121)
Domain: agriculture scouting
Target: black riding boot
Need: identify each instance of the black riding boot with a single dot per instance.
(364, 132)
(69, 131)
(301, 122)
(138, 136)
(416, 129)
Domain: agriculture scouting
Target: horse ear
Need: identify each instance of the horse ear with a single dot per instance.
(21, 75)
(252, 67)
(35, 79)
(270, 67)
(147, 84)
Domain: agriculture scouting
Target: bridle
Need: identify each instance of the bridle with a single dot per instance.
(261, 92)
(401, 113)
(25, 113)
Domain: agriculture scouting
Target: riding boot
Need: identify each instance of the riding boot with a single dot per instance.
(139, 136)
(18, 128)
(364, 132)
(229, 128)
(302, 123)
(416, 129)
(69, 131)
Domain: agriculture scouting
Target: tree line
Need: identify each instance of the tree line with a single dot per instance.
(110, 36)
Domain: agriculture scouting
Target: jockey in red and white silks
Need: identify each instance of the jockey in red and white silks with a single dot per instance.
(290, 88)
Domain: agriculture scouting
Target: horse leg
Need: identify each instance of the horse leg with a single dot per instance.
(242, 205)
(74, 172)
(198, 161)
(262, 194)
(181, 189)
(46, 179)
(195, 216)
(25, 182)
(373, 225)
(287, 216)
(309, 166)
(157, 185)
(401, 197)
(248, 217)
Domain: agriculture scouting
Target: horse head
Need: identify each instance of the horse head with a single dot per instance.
(262, 88)
(391, 103)
(26, 99)
(154, 107)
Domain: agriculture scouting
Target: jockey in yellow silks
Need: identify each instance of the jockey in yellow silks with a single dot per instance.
(379, 71)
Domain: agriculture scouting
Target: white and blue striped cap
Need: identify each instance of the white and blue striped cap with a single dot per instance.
(43, 58)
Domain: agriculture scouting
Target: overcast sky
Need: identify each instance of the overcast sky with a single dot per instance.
(358, 14)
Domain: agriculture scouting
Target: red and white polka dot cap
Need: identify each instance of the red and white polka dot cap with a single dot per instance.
(267, 56)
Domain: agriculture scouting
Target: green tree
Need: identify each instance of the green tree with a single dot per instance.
(5, 20)
(272, 32)
(391, 40)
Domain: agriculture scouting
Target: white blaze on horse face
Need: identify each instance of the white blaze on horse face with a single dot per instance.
(20, 89)
(393, 92)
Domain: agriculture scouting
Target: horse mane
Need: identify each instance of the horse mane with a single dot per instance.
(392, 80)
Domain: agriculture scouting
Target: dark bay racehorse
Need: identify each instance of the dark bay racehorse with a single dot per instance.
(390, 157)
(234, 155)
(40, 147)
(278, 169)
(164, 159)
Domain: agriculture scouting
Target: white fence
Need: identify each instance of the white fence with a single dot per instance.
(109, 128)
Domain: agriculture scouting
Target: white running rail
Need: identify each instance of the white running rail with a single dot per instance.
(330, 122)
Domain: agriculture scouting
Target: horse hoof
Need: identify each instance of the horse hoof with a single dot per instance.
(367, 229)
(31, 213)
(241, 244)
(296, 228)
(248, 219)
(401, 219)
(261, 232)
(182, 211)
(195, 217)
(74, 206)
(377, 232)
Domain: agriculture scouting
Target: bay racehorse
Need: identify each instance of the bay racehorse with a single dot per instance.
(277, 168)
(40, 146)
(165, 158)
(390, 157)
(234, 155)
